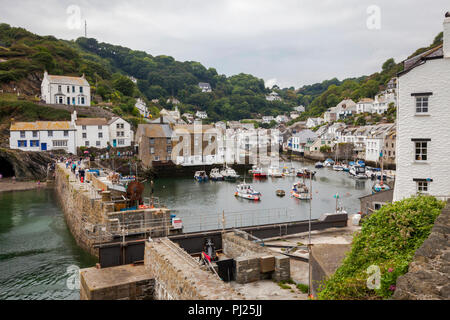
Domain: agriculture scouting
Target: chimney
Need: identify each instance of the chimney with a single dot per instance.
(161, 120)
(447, 35)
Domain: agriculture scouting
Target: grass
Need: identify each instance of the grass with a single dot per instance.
(303, 287)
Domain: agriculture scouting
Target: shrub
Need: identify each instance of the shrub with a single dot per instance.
(303, 287)
(388, 239)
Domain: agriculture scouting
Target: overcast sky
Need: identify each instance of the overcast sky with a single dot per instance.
(287, 42)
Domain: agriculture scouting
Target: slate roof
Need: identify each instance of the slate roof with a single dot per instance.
(413, 62)
(77, 81)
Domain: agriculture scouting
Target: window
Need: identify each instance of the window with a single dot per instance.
(121, 142)
(73, 100)
(81, 89)
(120, 134)
(421, 150)
(35, 134)
(22, 134)
(59, 143)
(68, 89)
(66, 133)
(169, 149)
(86, 143)
(22, 143)
(73, 89)
(169, 141)
(82, 100)
(59, 88)
(50, 133)
(84, 135)
(34, 143)
(83, 127)
(156, 158)
(100, 127)
(152, 150)
(97, 143)
(152, 140)
(421, 104)
(100, 135)
(422, 186)
(60, 100)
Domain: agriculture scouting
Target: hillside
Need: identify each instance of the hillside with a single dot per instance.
(24, 56)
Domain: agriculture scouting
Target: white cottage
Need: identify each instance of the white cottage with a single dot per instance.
(91, 132)
(74, 91)
(43, 136)
(423, 118)
(120, 133)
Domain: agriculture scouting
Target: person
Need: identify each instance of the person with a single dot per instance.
(14, 179)
(76, 173)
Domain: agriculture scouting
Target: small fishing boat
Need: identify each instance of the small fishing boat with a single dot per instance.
(246, 191)
(280, 193)
(346, 168)
(338, 167)
(215, 175)
(275, 172)
(229, 174)
(258, 173)
(300, 191)
(201, 176)
(306, 173)
(328, 163)
(319, 165)
(379, 187)
(358, 172)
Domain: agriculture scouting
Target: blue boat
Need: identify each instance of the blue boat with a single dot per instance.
(201, 176)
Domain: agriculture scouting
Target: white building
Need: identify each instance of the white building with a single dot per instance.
(65, 90)
(205, 87)
(300, 109)
(298, 141)
(314, 122)
(120, 133)
(364, 105)
(91, 132)
(281, 119)
(423, 117)
(273, 96)
(43, 136)
(383, 100)
(201, 115)
(375, 142)
(267, 119)
(345, 108)
(142, 107)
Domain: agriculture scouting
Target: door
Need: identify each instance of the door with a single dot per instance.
(43, 146)
(114, 143)
(68, 100)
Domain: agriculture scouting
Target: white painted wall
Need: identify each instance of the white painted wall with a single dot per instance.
(121, 136)
(51, 93)
(433, 76)
(43, 137)
(90, 134)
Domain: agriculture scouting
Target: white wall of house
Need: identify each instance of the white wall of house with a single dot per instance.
(434, 77)
(92, 136)
(65, 90)
(374, 145)
(120, 133)
(362, 107)
(43, 140)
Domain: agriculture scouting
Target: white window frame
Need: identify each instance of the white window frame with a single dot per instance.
(422, 187)
(421, 148)
(422, 103)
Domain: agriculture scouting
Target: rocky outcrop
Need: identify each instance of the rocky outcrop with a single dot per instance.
(428, 276)
(24, 165)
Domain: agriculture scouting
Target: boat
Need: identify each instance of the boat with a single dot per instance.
(215, 175)
(280, 193)
(319, 165)
(346, 168)
(201, 176)
(379, 187)
(300, 191)
(246, 191)
(258, 173)
(328, 163)
(229, 174)
(358, 172)
(275, 172)
(338, 167)
(288, 172)
(306, 173)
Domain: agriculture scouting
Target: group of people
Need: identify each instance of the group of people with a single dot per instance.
(76, 167)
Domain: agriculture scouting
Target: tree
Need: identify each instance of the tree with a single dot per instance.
(124, 85)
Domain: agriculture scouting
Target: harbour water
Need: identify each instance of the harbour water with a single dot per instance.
(38, 254)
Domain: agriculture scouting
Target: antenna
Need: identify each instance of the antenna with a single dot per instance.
(85, 28)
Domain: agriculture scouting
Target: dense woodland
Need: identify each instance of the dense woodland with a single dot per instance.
(108, 67)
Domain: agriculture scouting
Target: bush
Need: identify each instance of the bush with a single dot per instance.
(388, 239)
(303, 287)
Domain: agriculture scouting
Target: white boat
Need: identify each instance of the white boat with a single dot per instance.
(215, 175)
(246, 191)
(338, 167)
(289, 172)
(358, 172)
(319, 165)
(229, 174)
(300, 191)
(258, 172)
(201, 176)
(275, 172)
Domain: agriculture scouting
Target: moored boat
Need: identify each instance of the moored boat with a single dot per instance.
(338, 167)
(319, 165)
(201, 176)
(258, 173)
(306, 173)
(379, 187)
(300, 191)
(275, 172)
(229, 174)
(358, 172)
(246, 191)
(215, 175)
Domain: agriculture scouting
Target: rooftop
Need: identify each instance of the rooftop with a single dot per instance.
(41, 126)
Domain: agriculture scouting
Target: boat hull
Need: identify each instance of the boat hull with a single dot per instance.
(254, 197)
(301, 196)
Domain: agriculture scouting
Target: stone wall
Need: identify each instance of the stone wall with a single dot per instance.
(428, 276)
(127, 282)
(178, 276)
(254, 262)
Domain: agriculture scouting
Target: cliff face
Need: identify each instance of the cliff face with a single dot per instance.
(24, 165)
(429, 273)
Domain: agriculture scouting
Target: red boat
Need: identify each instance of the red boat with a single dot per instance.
(258, 173)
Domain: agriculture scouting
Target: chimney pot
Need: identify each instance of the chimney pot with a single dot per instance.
(447, 35)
